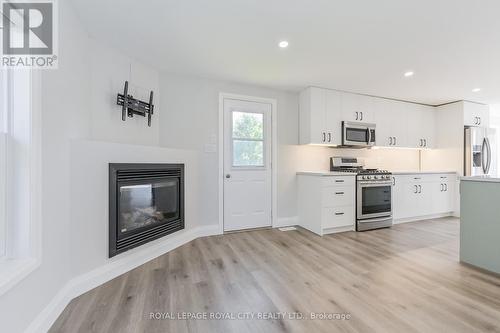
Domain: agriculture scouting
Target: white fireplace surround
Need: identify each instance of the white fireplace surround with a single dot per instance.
(90, 265)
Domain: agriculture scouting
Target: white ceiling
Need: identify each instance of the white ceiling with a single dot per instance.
(363, 46)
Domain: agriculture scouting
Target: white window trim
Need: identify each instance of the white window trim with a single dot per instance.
(3, 166)
(13, 269)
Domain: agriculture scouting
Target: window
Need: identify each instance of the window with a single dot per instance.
(248, 139)
(3, 155)
(20, 176)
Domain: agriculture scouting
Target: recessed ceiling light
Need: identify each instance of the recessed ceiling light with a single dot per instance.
(409, 74)
(476, 90)
(283, 44)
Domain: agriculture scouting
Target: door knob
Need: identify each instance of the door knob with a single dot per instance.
(228, 176)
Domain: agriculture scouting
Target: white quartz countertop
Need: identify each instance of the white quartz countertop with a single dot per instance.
(481, 179)
(325, 173)
(421, 172)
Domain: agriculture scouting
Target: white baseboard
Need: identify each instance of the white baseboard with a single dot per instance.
(421, 218)
(85, 282)
(286, 221)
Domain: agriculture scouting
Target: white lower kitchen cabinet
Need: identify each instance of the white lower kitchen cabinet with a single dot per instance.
(423, 195)
(326, 202)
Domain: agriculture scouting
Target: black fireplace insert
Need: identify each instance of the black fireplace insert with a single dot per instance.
(146, 202)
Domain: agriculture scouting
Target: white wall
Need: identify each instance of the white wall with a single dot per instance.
(109, 70)
(495, 123)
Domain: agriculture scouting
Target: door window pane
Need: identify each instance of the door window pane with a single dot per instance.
(248, 125)
(248, 139)
(248, 153)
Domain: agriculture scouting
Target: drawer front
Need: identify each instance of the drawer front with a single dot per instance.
(429, 177)
(339, 181)
(420, 178)
(443, 177)
(336, 196)
(333, 217)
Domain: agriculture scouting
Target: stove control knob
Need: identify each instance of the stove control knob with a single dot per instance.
(375, 177)
(363, 177)
(369, 177)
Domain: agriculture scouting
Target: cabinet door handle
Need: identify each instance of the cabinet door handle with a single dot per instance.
(357, 115)
(421, 143)
(395, 140)
(417, 178)
(416, 189)
(339, 180)
(324, 136)
(442, 187)
(390, 141)
(339, 193)
(425, 142)
(361, 115)
(340, 213)
(419, 188)
(329, 137)
(393, 181)
(446, 187)
(479, 120)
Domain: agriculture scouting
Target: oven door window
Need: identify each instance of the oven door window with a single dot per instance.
(356, 135)
(376, 199)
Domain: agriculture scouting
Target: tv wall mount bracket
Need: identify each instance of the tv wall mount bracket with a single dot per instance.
(131, 106)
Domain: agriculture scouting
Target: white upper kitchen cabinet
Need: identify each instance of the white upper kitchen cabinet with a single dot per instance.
(320, 116)
(421, 126)
(312, 116)
(476, 114)
(428, 114)
(391, 120)
(333, 116)
(358, 108)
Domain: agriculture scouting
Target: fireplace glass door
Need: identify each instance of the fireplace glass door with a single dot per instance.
(145, 205)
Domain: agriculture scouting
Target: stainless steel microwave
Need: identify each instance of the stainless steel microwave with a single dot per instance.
(358, 134)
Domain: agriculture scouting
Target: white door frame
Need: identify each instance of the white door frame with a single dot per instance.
(274, 157)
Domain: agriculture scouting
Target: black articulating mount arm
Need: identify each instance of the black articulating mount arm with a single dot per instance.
(131, 106)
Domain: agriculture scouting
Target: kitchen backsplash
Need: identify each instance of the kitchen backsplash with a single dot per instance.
(317, 158)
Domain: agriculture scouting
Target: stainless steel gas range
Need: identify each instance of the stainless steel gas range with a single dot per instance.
(373, 193)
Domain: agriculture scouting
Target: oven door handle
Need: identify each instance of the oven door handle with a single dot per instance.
(389, 217)
(371, 184)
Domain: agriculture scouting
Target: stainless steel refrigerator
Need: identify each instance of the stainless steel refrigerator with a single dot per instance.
(480, 152)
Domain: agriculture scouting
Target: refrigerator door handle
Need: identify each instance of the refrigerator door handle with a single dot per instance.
(483, 155)
(488, 149)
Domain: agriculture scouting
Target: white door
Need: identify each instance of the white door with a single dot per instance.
(247, 165)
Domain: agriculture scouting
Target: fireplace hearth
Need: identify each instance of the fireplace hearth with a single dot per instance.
(146, 202)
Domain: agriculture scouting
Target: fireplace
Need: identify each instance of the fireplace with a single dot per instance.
(146, 202)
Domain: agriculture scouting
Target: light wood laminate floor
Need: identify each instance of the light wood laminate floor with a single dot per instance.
(403, 279)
